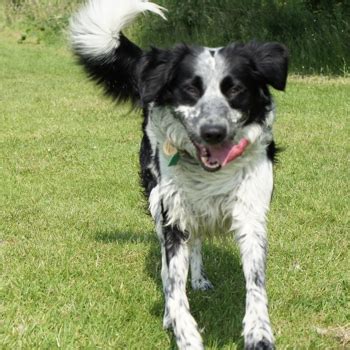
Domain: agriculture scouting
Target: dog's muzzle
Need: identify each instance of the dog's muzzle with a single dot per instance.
(214, 157)
(213, 134)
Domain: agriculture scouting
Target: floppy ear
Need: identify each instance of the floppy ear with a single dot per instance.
(157, 71)
(271, 61)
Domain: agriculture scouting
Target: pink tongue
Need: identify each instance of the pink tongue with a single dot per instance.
(227, 153)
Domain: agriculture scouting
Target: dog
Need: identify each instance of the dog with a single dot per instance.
(207, 151)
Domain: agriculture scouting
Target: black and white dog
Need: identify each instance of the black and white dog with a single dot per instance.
(207, 150)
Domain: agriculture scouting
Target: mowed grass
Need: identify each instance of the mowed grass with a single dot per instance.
(79, 259)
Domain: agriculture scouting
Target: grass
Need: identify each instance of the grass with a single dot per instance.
(79, 260)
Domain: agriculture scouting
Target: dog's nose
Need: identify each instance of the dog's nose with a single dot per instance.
(213, 134)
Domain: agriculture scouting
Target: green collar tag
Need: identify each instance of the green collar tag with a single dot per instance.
(174, 159)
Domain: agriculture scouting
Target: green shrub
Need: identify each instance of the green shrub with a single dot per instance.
(316, 35)
(316, 32)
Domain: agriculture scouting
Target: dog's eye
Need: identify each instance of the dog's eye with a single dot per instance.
(232, 87)
(234, 90)
(192, 90)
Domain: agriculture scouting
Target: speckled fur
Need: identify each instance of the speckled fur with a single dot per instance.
(181, 91)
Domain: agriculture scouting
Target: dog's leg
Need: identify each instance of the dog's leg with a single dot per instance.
(253, 246)
(158, 216)
(177, 256)
(199, 279)
(250, 226)
(164, 275)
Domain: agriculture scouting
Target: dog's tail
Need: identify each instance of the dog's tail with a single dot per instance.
(107, 55)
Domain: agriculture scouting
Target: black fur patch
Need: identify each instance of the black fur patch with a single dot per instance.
(250, 71)
(273, 151)
(173, 237)
(148, 179)
(116, 73)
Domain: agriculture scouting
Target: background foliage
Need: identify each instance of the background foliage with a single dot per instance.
(317, 32)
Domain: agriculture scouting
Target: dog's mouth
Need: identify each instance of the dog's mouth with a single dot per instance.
(213, 158)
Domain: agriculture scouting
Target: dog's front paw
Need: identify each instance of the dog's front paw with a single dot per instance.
(258, 335)
(201, 283)
(263, 344)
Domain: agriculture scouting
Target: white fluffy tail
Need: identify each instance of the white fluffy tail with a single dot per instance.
(95, 29)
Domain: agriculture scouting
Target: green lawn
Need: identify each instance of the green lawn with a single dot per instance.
(79, 260)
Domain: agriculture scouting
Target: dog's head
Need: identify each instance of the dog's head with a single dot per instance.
(214, 93)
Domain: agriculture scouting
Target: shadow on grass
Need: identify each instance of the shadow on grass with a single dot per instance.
(219, 312)
(125, 236)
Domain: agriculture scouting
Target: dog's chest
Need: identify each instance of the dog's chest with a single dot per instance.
(198, 201)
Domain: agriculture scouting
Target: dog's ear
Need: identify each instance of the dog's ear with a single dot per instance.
(157, 71)
(271, 63)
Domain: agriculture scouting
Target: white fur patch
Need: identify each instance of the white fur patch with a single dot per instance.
(95, 29)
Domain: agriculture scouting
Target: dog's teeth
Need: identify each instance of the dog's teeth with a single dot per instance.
(213, 166)
(209, 164)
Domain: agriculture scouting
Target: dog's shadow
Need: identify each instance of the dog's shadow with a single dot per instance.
(218, 312)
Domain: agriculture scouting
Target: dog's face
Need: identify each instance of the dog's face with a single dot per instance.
(214, 93)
